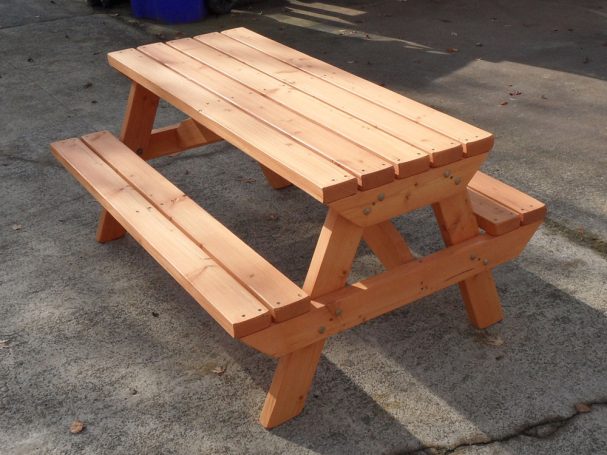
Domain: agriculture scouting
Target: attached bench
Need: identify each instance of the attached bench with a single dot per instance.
(238, 287)
(500, 208)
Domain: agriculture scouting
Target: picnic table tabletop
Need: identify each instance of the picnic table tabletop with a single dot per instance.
(319, 127)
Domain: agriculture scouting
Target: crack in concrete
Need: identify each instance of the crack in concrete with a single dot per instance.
(539, 430)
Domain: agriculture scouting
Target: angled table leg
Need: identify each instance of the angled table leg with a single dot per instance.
(388, 244)
(275, 180)
(458, 223)
(136, 133)
(329, 270)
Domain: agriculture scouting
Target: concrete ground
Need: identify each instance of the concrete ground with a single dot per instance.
(102, 334)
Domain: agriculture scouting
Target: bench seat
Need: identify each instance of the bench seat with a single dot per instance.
(500, 208)
(234, 284)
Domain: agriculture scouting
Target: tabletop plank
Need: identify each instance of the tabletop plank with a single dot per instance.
(475, 140)
(406, 159)
(317, 176)
(442, 149)
(370, 170)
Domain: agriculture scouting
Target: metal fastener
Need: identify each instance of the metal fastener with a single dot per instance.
(366, 210)
(381, 196)
(472, 257)
(321, 329)
(485, 261)
(447, 173)
(457, 180)
(338, 311)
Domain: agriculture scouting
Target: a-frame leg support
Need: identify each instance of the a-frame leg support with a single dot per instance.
(458, 223)
(329, 270)
(136, 132)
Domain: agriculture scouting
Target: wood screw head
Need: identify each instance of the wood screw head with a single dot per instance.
(447, 173)
(381, 196)
(322, 329)
(366, 210)
(457, 180)
(485, 261)
(338, 312)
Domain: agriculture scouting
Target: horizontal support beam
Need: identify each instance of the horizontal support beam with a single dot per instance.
(177, 138)
(370, 207)
(368, 299)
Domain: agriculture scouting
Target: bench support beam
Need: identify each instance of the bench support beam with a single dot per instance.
(380, 294)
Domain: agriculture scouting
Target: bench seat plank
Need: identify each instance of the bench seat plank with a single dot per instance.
(277, 292)
(492, 217)
(317, 176)
(528, 209)
(370, 170)
(406, 159)
(230, 304)
(475, 140)
(442, 149)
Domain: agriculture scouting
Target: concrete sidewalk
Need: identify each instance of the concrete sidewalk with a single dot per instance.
(102, 334)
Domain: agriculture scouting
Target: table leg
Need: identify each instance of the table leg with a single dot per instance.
(275, 180)
(136, 133)
(388, 244)
(458, 223)
(329, 270)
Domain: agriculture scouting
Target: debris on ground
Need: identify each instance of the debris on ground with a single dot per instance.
(77, 426)
(582, 408)
(219, 370)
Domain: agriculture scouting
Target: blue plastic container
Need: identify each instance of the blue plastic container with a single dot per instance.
(169, 11)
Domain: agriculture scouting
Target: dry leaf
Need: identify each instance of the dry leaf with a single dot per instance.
(77, 426)
(503, 103)
(219, 370)
(4, 344)
(582, 408)
(490, 340)
(17, 227)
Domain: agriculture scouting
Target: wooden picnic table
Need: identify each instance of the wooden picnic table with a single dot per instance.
(367, 153)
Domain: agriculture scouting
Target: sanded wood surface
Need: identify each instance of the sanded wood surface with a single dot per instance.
(528, 209)
(370, 170)
(406, 159)
(457, 223)
(303, 167)
(442, 149)
(491, 216)
(474, 140)
(177, 138)
(278, 293)
(387, 244)
(222, 296)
